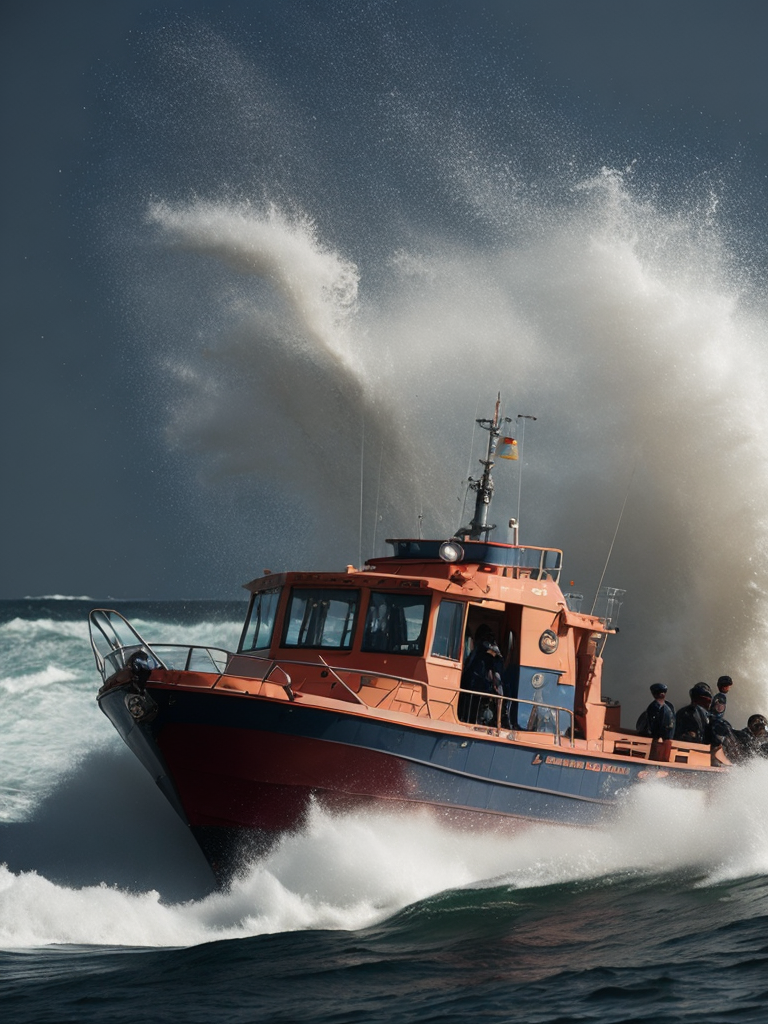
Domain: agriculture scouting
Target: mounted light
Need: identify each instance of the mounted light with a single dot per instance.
(548, 642)
(451, 551)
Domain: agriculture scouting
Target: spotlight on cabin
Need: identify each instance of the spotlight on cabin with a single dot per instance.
(450, 551)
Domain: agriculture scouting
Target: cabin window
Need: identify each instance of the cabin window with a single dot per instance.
(396, 623)
(257, 634)
(448, 630)
(321, 618)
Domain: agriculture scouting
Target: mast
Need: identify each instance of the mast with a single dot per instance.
(479, 529)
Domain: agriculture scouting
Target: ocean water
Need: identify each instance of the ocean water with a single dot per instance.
(332, 238)
(107, 910)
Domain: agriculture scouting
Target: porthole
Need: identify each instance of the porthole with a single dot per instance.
(548, 642)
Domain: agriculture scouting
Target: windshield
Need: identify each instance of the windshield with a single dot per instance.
(261, 622)
(396, 623)
(321, 618)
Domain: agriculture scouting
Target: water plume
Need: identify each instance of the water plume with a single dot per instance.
(281, 392)
(330, 336)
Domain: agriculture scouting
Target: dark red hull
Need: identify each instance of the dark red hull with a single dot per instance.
(263, 781)
(243, 771)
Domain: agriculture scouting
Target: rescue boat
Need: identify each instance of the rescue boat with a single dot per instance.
(361, 688)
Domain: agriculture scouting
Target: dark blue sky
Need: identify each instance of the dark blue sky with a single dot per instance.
(86, 509)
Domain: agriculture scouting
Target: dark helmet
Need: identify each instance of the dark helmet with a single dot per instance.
(484, 632)
(700, 690)
(724, 681)
(657, 688)
(757, 724)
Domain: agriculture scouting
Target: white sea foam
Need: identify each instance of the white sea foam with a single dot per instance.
(316, 284)
(50, 717)
(351, 871)
(31, 630)
(33, 680)
(214, 634)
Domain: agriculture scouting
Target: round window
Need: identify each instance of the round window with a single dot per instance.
(548, 642)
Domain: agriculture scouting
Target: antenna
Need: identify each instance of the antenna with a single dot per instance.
(479, 526)
(615, 534)
(523, 417)
(469, 461)
(378, 492)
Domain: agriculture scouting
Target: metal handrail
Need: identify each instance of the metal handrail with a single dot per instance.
(336, 670)
(330, 668)
(542, 570)
(400, 680)
(191, 648)
(287, 685)
(99, 618)
(500, 700)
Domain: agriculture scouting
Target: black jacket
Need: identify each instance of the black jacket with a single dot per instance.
(693, 724)
(657, 721)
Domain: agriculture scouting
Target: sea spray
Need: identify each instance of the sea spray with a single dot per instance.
(619, 326)
(280, 393)
(327, 295)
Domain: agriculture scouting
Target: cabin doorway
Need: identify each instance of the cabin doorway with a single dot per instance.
(505, 627)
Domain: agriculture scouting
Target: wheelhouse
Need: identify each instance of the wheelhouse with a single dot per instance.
(414, 616)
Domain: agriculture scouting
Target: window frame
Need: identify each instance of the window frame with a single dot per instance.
(256, 599)
(342, 595)
(460, 626)
(416, 597)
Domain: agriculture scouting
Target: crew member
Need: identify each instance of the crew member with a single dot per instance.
(658, 722)
(692, 722)
(482, 672)
(722, 732)
(752, 741)
(724, 684)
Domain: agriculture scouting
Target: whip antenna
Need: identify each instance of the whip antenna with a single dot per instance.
(615, 533)
(378, 492)
(523, 417)
(469, 461)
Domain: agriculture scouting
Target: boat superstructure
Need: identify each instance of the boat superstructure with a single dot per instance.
(351, 688)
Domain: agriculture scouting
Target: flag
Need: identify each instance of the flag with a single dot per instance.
(508, 448)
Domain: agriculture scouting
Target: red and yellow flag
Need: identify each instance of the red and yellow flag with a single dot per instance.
(507, 448)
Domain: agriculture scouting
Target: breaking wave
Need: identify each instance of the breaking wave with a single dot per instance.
(352, 871)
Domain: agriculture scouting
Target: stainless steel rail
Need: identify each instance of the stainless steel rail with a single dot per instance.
(113, 640)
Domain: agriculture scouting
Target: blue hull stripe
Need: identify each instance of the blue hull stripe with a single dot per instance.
(478, 773)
